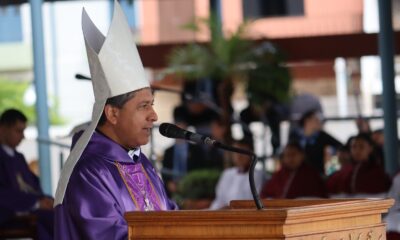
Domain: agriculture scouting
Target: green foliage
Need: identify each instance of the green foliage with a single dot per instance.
(11, 96)
(262, 65)
(270, 79)
(199, 184)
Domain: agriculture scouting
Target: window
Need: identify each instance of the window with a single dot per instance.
(272, 8)
(10, 24)
(129, 9)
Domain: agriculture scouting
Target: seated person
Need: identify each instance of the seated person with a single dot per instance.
(296, 179)
(234, 182)
(20, 191)
(393, 217)
(363, 175)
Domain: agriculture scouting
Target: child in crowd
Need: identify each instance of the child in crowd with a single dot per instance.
(364, 175)
(296, 179)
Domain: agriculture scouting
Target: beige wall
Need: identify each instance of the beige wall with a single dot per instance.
(321, 18)
(162, 21)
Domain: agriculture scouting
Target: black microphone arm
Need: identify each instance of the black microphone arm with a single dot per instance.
(172, 131)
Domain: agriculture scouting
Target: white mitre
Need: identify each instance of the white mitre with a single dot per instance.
(115, 68)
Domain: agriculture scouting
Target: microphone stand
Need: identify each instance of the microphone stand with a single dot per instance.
(253, 164)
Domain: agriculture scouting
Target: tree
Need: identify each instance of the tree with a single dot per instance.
(12, 95)
(227, 60)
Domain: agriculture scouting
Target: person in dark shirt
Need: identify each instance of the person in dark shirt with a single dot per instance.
(314, 140)
(20, 191)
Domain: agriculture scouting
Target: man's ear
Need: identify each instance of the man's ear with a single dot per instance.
(111, 113)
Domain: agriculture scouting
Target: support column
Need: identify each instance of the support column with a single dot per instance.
(341, 86)
(215, 8)
(42, 116)
(386, 52)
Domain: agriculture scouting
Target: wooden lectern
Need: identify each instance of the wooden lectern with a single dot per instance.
(322, 219)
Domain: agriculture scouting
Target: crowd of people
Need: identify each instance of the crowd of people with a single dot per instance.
(302, 172)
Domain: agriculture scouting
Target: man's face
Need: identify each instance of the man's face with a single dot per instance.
(13, 134)
(135, 119)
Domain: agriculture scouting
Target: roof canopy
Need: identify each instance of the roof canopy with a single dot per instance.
(311, 48)
(18, 2)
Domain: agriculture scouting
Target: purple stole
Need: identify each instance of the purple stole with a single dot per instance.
(140, 187)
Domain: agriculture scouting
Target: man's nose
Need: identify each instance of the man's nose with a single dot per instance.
(153, 115)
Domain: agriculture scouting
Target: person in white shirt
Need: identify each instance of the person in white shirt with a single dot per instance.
(393, 217)
(234, 182)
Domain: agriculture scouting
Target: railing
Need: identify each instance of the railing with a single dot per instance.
(61, 146)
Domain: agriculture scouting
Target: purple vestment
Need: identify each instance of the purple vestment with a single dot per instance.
(19, 192)
(104, 184)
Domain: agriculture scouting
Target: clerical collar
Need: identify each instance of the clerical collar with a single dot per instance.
(10, 152)
(134, 153)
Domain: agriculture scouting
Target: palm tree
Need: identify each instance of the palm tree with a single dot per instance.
(227, 60)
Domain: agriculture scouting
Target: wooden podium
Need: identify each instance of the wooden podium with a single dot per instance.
(327, 219)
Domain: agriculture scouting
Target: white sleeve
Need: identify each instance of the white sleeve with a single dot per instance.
(393, 217)
(219, 201)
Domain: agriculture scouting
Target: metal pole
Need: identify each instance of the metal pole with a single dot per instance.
(215, 8)
(54, 56)
(41, 94)
(341, 85)
(386, 52)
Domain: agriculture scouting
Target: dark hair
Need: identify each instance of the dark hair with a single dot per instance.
(364, 136)
(117, 101)
(292, 144)
(180, 115)
(306, 116)
(247, 140)
(296, 145)
(372, 159)
(380, 130)
(11, 116)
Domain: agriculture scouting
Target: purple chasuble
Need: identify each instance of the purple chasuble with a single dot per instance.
(19, 187)
(19, 192)
(104, 185)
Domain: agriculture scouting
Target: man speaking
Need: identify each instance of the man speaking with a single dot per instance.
(106, 174)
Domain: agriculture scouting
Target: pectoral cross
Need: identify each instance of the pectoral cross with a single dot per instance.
(148, 206)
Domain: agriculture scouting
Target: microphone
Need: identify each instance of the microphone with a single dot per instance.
(172, 131)
(82, 77)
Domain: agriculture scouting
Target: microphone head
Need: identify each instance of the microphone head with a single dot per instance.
(171, 131)
(82, 77)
